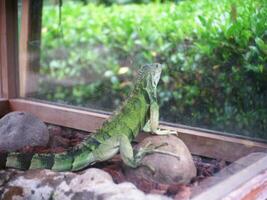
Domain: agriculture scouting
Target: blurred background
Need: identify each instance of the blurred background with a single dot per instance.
(214, 54)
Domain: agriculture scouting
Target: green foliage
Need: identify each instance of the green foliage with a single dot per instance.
(110, 2)
(215, 54)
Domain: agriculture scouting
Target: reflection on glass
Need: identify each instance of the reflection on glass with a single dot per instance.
(215, 73)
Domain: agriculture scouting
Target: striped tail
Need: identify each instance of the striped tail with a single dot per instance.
(74, 159)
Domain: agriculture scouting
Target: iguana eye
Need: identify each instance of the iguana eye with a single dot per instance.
(158, 65)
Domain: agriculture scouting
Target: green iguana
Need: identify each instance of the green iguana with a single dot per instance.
(139, 111)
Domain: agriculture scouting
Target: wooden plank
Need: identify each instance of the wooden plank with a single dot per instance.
(218, 146)
(59, 115)
(242, 180)
(4, 107)
(199, 142)
(30, 40)
(9, 48)
(1, 87)
(256, 188)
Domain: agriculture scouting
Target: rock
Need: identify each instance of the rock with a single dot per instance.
(88, 185)
(168, 169)
(20, 129)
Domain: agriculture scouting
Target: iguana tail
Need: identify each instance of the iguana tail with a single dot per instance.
(70, 160)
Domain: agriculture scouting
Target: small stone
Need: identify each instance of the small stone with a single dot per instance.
(167, 169)
(183, 194)
(54, 130)
(67, 133)
(58, 141)
(20, 129)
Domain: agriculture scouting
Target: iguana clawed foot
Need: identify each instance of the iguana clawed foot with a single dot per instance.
(149, 127)
(150, 149)
(165, 132)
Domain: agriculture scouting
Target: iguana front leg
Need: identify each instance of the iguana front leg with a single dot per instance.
(153, 123)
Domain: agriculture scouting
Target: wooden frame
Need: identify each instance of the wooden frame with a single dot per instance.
(200, 141)
(244, 179)
(9, 48)
(1, 92)
(30, 39)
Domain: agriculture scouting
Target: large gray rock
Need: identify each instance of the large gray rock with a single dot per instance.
(89, 185)
(19, 129)
(168, 169)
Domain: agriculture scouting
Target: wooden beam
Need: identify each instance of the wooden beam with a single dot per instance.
(4, 107)
(30, 41)
(9, 48)
(59, 115)
(199, 142)
(229, 148)
(242, 180)
(1, 87)
(256, 188)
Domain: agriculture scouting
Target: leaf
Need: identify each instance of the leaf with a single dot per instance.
(262, 46)
(202, 20)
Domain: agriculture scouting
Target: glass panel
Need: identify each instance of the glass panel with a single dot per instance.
(214, 53)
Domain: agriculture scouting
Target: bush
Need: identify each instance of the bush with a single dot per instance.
(110, 2)
(214, 52)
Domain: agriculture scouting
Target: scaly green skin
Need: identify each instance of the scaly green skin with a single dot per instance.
(114, 136)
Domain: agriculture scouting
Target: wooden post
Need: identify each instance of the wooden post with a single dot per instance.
(30, 40)
(1, 87)
(8, 48)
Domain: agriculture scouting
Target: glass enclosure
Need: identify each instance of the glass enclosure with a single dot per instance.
(213, 52)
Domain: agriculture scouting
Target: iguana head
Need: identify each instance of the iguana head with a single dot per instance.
(149, 76)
